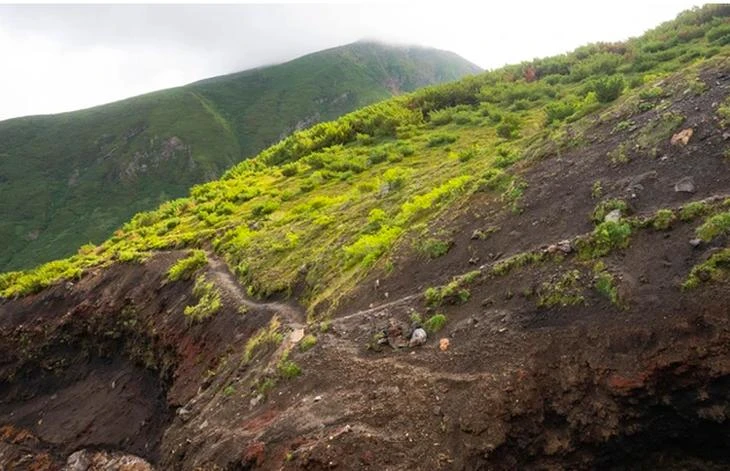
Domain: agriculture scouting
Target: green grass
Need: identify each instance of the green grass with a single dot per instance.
(435, 323)
(266, 336)
(605, 238)
(693, 210)
(716, 225)
(567, 290)
(663, 219)
(716, 269)
(184, 268)
(307, 342)
(209, 301)
(76, 177)
(453, 292)
(325, 207)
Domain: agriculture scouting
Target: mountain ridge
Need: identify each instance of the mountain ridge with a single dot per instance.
(56, 169)
(524, 269)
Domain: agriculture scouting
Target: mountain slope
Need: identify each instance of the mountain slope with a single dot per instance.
(73, 178)
(558, 228)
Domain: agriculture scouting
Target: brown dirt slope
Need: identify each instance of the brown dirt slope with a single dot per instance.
(542, 369)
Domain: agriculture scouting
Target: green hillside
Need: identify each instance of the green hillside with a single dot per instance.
(315, 213)
(73, 178)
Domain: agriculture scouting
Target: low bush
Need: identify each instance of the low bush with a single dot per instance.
(184, 268)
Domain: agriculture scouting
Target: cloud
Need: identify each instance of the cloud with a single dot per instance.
(64, 57)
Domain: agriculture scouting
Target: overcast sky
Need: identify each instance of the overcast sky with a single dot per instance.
(58, 58)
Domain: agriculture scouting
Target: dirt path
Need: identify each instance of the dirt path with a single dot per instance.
(293, 315)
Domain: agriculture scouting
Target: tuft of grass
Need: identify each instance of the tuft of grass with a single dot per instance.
(452, 293)
(565, 291)
(663, 219)
(605, 207)
(185, 268)
(605, 283)
(516, 261)
(287, 368)
(435, 323)
(266, 336)
(209, 300)
(693, 210)
(433, 248)
(716, 225)
(307, 342)
(716, 268)
(605, 238)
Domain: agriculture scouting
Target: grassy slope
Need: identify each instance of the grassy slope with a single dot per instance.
(314, 213)
(73, 178)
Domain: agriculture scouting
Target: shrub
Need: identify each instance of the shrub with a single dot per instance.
(559, 110)
(693, 210)
(453, 292)
(287, 368)
(184, 268)
(441, 139)
(435, 323)
(716, 225)
(433, 248)
(604, 282)
(663, 219)
(209, 300)
(606, 237)
(307, 342)
(262, 209)
(716, 268)
(608, 88)
(604, 207)
(509, 127)
(369, 247)
(565, 291)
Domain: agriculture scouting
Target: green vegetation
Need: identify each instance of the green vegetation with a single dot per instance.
(287, 368)
(716, 268)
(209, 300)
(663, 219)
(435, 323)
(605, 282)
(693, 210)
(76, 177)
(266, 336)
(605, 238)
(516, 261)
(566, 290)
(184, 268)
(325, 207)
(718, 224)
(433, 248)
(307, 342)
(452, 293)
(604, 207)
(608, 88)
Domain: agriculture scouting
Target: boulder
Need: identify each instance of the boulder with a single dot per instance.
(418, 337)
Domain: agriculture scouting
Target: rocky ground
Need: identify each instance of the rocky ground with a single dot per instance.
(106, 373)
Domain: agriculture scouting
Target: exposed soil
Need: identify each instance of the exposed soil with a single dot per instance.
(111, 363)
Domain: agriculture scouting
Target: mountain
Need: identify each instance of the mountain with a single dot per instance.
(73, 178)
(524, 269)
